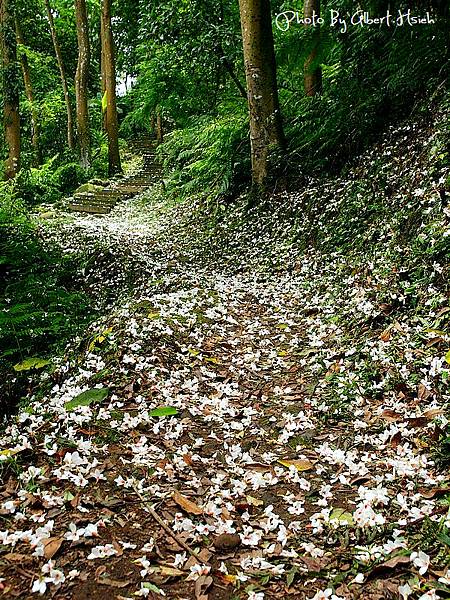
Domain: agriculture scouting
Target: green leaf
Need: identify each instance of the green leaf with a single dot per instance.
(290, 576)
(87, 398)
(105, 101)
(443, 537)
(339, 514)
(31, 363)
(447, 357)
(163, 411)
(152, 587)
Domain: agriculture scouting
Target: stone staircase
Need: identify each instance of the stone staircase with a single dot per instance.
(100, 200)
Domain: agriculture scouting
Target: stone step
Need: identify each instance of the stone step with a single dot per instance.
(107, 197)
(95, 210)
(134, 189)
(103, 201)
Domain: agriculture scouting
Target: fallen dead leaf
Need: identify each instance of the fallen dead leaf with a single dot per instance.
(433, 492)
(254, 501)
(226, 542)
(51, 546)
(301, 464)
(433, 412)
(113, 582)
(392, 563)
(170, 572)
(423, 393)
(16, 557)
(187, 505)
(391, 415)
(202, 585)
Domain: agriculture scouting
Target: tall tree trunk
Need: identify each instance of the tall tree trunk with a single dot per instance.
(62, 72)
(109, 69)
(312, 72)
(10, 77)
(102, 71)
(266, 128)
(159, 126)
(81, 83)
(30, 94)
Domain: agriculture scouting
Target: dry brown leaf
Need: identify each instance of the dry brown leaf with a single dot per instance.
(418, 422)
(396, 439)
(433, 492)
(392, 563)
(100, 570)
(254, 501)
(360, 480)
(433, 412)
(188, 459)
(315, 564)
(226, 542)
(113, 582)
(186, 505)
(391, 415)
(204, 555)
(386, 335)
(259, 467)
(117, 547)
(202, 585)
(300, 464)
(396, 560)
(170, 572)
(434, 341)
(16, 557)
(51, 546)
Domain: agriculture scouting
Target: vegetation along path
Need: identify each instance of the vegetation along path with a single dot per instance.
(252, 423)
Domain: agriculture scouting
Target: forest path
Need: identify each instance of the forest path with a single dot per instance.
(102, 199)
(237, 412)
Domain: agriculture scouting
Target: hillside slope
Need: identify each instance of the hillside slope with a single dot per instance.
(302, 348)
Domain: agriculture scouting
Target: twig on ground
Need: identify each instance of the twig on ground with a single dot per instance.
(167, 529)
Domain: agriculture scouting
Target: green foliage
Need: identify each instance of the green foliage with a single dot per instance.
(210, 155)
(94, 396)
(68, 177)
(163, 411)
(371, 78)
(40, 303)
(36, 186)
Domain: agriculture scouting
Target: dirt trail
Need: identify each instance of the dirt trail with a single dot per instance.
(218, 436)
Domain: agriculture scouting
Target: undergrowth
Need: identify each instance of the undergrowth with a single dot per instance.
(40, 304)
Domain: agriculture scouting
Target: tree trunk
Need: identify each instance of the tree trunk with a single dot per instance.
(102, 70)
(30, 95)
(312, 72)
(152, 123)
(229, 69)
(10, 88)
(159, 126)
(266, 128)
(62, 72)
(81, 83)
(109, 75)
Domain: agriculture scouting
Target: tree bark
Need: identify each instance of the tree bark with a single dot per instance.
(109, 78)
(312, 72)
(10, 77)
(229, 68)
(266, 128)
(102, 70)
(159, 126)
(62, 72)
(28, 84)
(81, 83)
